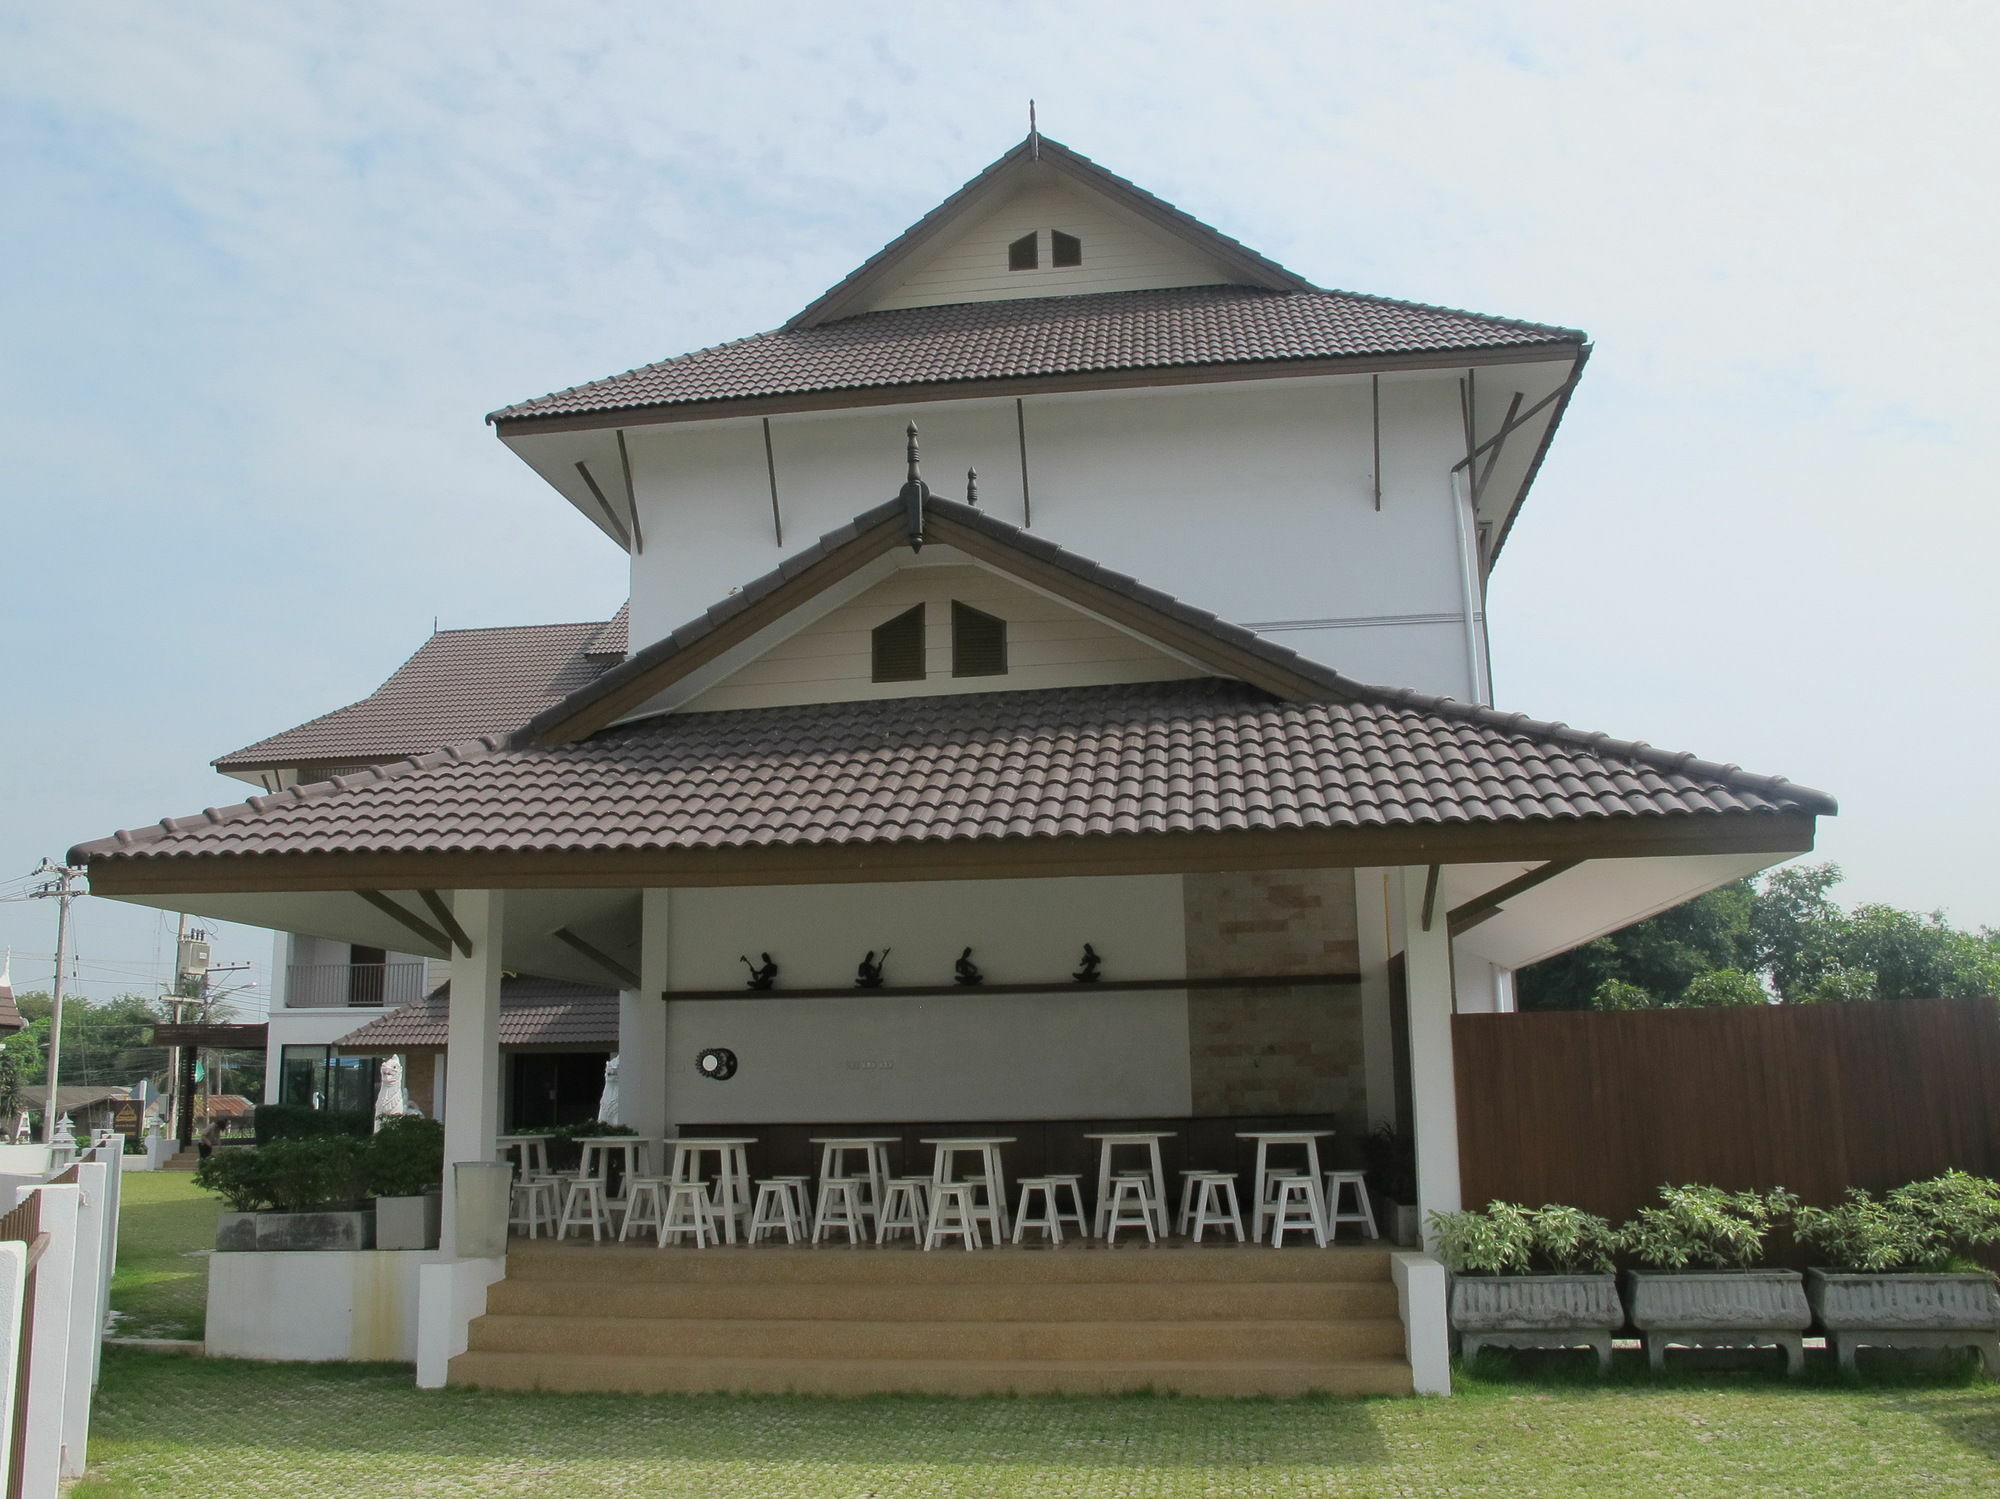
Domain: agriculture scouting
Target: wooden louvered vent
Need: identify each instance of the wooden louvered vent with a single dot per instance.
(899, 647)
(978, 642)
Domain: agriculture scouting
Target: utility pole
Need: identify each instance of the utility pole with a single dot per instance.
(61, 888)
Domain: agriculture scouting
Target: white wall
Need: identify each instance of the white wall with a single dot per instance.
(1048, 645)
(1062, 1054)
(1252, 499)
(1120, 253)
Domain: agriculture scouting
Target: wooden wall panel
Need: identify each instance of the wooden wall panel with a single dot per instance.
(1600, 1110)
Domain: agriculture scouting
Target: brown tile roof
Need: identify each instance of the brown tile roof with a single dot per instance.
(533, 1012)
(459, 685)
(1100, 332)
(1204, 755)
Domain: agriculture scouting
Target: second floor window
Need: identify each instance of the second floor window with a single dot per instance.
(897, 648)
(1025, 253)
(978, 642)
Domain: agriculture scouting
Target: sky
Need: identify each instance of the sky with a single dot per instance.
(267, 267)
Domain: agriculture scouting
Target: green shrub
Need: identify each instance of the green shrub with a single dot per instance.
(294, 1121)
(1922, 1226)
(290, 1176)
(1705, 1228)
(1508, 1239)
(406, 1158)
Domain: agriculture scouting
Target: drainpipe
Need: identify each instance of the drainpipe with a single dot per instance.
(1468, 580)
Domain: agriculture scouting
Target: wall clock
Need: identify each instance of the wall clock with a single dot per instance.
(718, 1064)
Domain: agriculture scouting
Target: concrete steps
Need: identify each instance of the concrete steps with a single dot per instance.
(185, 1160)
(1198, 1320)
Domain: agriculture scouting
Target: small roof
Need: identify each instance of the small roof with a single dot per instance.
(1098, 332)
(70, 1098)
(459, 684)
(533, 1012)
(10, 1013)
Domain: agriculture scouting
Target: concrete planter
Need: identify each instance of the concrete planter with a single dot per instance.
(272, 1233)
(1719, 1309)
(1869, 1309)
(1536, 1311)
(408, 1222)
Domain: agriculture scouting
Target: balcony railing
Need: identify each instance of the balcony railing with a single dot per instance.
(325, 986)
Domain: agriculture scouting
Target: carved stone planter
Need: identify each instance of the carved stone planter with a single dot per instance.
(1867, 1309)
(1719, 1309)
(408, 1222)
(291, 1232)
(1536, 1311)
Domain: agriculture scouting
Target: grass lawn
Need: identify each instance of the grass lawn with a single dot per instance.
(171, 1426)
(164, 1225)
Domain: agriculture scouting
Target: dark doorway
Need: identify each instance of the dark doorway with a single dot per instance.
(552, 1088)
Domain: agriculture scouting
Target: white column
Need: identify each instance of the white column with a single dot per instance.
(281, 996)
(1433, 1083)
(642, 1025)
(1374, 908)
(472, 1043)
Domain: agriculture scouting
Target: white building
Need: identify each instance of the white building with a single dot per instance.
(853, 717)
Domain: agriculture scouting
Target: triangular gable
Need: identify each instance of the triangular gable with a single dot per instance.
(859, 554)
(830, 658)
(1143, 241)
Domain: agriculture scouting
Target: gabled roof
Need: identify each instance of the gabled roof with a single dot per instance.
(1187, 328)
(1040, 156)
(533, 1012)
(1290, 746)
(459, 684)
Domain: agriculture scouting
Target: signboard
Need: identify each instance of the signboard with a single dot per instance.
(126, 1117)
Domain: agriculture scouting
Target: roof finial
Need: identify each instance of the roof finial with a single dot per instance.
(972, 486)
(914, 492)
(1034, 135)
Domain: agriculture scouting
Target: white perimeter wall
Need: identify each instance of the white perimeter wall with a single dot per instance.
(1069, 1053)
(1253, 499)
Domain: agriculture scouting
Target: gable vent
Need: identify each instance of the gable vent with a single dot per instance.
(898, 648)
(1021, 254)
(1064, 249)
(978, 642)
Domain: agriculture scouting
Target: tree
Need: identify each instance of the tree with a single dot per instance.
(1781, 938)
(105, 1042)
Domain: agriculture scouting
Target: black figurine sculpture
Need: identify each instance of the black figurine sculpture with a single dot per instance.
(965, 971)
(869, 974)
(761, 976)
(1091, 963)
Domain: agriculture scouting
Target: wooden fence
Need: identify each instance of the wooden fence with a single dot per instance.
(1599, 1110)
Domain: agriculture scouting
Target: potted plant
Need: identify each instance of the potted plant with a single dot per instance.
(291, 1195)
(406, 1179)
(1530, 1278)
(1700, 1289)
(1392, 1175)
(1900, 1272)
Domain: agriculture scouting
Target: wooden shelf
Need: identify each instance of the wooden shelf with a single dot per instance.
(1054, 986)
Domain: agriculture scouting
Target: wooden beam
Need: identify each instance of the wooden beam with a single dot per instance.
(1431, 894)
(1485, 907)
(1777, 833)
(1509, 428)
(625, 976)
(631, 494)
(409, 920)
(1493, 456)
(617, 525)
(771, 473)
(441, 909)
(1053, 986)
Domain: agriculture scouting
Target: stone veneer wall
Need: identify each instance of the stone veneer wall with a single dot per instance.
(1292, 1050)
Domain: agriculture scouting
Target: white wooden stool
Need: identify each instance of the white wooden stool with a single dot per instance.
(842, 1205)
(776, 1210)
(1296, 1211)
(1267, 1202)
(585, 1203)
(645, 1204)
(955, 1210)
(905, 1207)
(1131, 1206)
(1336, 1181)
(1190, 1180)
(1049, 1220)
(689, 1211)
(1074, 1213)
(802, 1198)
(1215, 1203)
(537, 1205)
